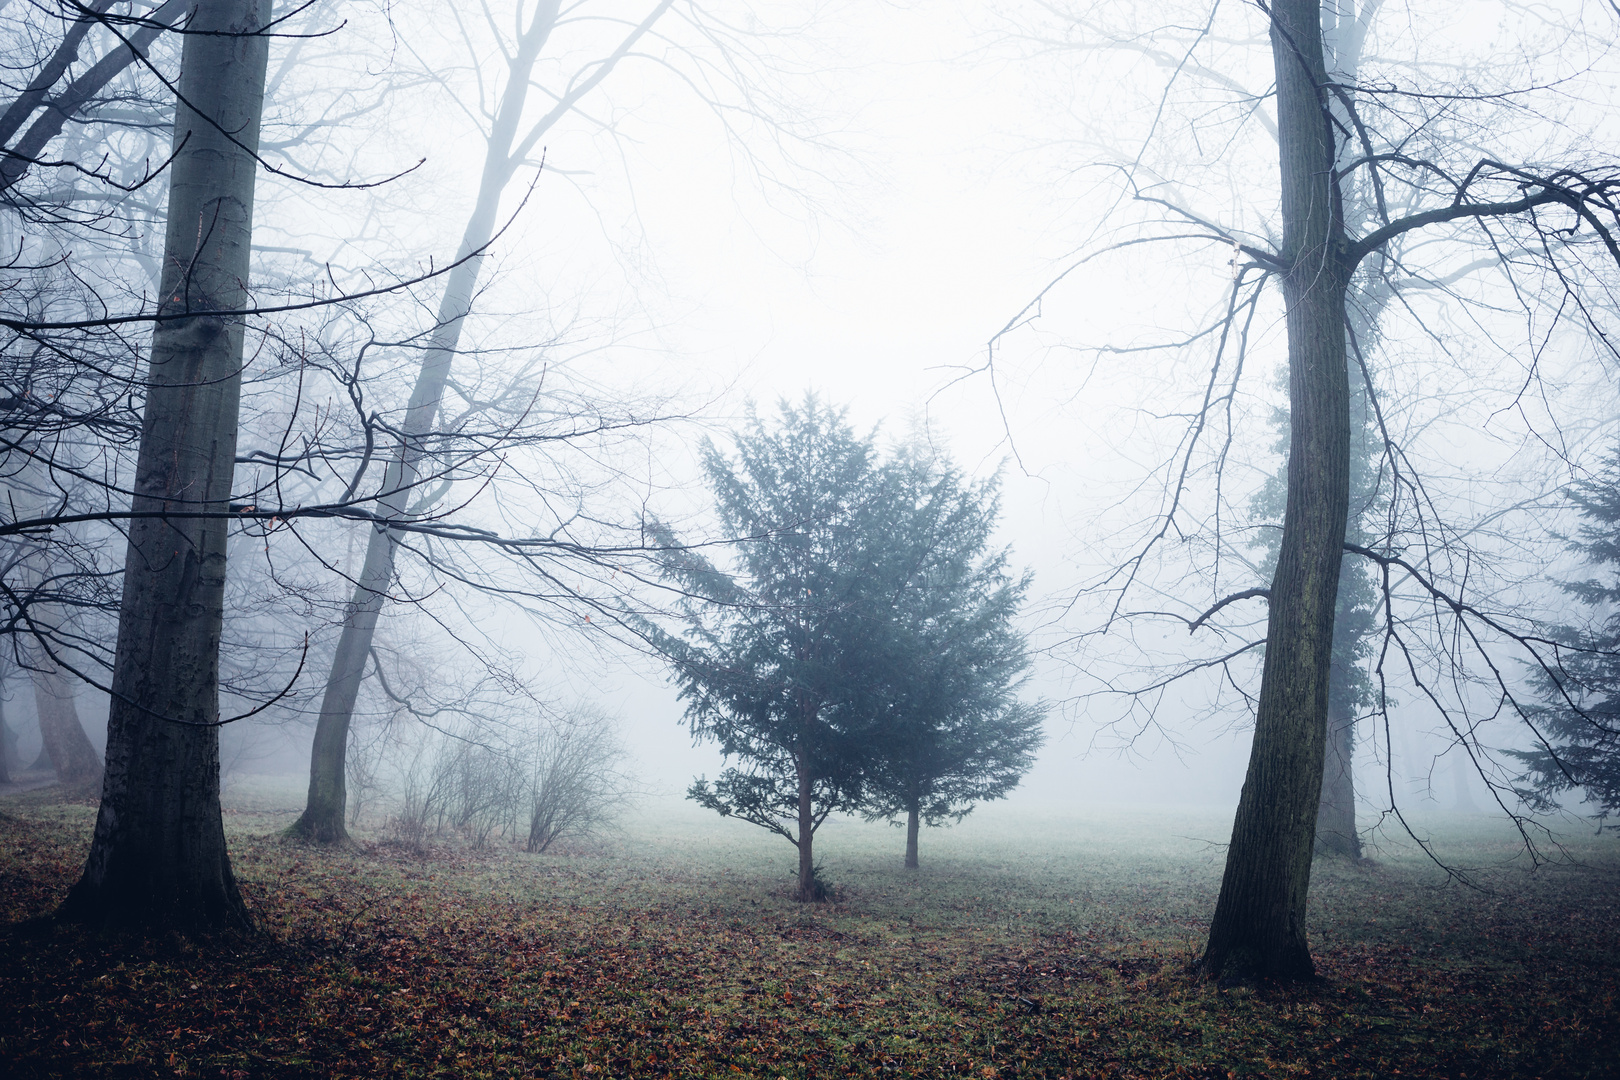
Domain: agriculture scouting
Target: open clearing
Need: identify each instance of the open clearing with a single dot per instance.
(1030, 945)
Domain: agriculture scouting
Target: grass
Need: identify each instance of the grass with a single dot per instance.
(1031, 945)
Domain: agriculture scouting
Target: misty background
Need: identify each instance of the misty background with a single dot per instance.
(907, 226)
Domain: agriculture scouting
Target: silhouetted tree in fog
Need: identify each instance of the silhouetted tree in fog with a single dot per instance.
(1378, 167)
(861, 656)
(1578, 729)
(414, 453)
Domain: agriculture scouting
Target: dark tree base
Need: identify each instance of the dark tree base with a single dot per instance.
(130, 908)
(318, 828)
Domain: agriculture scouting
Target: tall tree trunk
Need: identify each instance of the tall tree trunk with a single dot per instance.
(809, 890)
(323, 816)
(1336, 811)
(1259, 923)
(911, 837)
(61, 732)
(158, 856)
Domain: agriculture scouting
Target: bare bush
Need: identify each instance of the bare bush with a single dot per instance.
(558, 777)
(577, 781)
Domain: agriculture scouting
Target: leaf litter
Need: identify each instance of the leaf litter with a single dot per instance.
(378, 961)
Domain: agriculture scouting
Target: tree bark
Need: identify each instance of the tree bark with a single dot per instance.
(158, 857)
(911, 838)
(1259, 923)
(809, 890)
(1336, 811)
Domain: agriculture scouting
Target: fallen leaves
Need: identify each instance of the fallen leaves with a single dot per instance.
(374, 963)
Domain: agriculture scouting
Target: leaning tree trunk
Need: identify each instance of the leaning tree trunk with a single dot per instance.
(323, 818)
(158, 856)
(911, 837)
(1259, 923)
(1336, 810)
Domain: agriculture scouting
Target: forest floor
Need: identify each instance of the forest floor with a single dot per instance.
(1030, 945)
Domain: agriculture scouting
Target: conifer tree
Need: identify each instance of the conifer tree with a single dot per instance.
(945, 664)
(1579, 726)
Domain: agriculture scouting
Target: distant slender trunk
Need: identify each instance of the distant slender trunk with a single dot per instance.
(1336, 811)
(1461, 769)
(911, 837)
(72, 756)
(1259, 923)
(158, 856)
(6, 764)
(64, 747)
(323, 816)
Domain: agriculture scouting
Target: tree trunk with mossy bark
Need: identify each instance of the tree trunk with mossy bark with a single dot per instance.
(1259, 923)
(158, 856)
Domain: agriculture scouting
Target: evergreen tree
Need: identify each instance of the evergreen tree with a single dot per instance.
(857, 654)
(1580, 723)
(764, 662)
(945, 663)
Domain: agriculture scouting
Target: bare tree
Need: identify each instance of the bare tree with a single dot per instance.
(1544, 226)
(158, 855)
(576, 780)
(513, 133)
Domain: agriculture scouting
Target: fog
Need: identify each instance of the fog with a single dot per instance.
(924, 217)
(656, 537)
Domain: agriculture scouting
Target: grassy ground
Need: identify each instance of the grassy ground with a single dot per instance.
(1029, 946)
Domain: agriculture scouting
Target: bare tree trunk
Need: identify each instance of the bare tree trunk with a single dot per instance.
(158, 856)
(1336, 811)
(72, 756)
(64, 747)
(1259, 923)
(7, 765)
(322, 819)
(911, 837)
(809, 890)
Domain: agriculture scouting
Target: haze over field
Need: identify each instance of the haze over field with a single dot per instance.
(490, 487)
